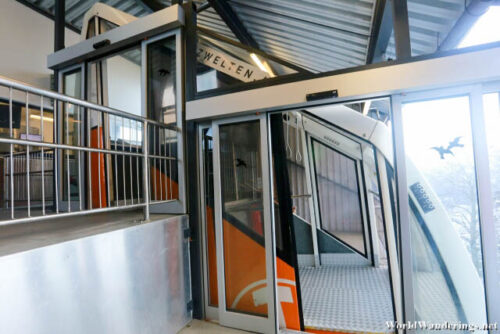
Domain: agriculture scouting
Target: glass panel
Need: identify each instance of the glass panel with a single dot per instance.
(161, 82)
(115, 81)
(208, 179)
(484, 30)
(120, 77)
(491, 105)
(338, 196)
(242, 213)
(105, 25)
(347, 292)
(445, 239)
(91, 28)
(221, 64)
(72, 86)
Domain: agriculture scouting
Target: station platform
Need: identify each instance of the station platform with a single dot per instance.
(352, 299)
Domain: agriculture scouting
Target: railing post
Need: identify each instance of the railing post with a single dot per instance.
(145, 177)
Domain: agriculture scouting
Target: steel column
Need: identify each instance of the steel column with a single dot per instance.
(381, 31)
(401, 28)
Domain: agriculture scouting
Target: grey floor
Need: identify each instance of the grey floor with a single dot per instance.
(24, 236)
(207, 327)
(346, 298)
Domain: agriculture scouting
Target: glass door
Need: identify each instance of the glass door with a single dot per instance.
(439, 154)
(243, 225)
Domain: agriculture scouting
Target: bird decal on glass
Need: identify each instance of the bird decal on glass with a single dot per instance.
(448, 150)
(240, 163)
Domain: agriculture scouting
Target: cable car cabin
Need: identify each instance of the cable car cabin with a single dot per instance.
(178, 174)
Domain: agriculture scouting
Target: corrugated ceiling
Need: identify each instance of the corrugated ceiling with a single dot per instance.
(430, 22)
(316, 35)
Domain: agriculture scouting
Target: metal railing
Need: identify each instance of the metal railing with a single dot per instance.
(62, 156)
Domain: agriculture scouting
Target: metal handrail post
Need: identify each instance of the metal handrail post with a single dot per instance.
(145, 176)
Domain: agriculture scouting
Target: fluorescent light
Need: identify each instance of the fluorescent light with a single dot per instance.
(258, 62)
(263, 67)
(46, 119)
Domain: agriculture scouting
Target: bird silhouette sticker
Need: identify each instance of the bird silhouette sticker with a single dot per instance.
(448, 150)
(240, 163)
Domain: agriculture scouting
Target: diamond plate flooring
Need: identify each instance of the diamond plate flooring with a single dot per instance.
(346, 298)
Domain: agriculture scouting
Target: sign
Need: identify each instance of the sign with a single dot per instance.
(229, 65)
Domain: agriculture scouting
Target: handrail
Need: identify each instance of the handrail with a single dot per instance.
(108, 167)
(64, 98)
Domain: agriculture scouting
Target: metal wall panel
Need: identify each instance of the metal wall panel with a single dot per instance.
(133, 280)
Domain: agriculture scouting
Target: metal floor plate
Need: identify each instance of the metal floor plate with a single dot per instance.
(346, 298)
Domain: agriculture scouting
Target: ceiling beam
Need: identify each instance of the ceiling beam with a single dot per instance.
(153, 5)
(401, 29)
(471, 14)
(381, 32)
(233, 22)
(59, 24)
(203, 7)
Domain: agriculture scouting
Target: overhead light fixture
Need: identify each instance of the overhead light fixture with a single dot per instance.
(45, 119)
(264, 67)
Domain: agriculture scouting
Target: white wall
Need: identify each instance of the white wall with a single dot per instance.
(26, 39)
(124, 85)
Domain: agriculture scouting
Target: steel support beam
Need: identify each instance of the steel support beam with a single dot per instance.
(203, 7)
(153, 5)
(471, 14)
(234, 23)
(59, 24)
(190, 37)
(381, 31)
(401, 29)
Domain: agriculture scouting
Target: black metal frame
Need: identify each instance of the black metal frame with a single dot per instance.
(401, 28)
(394, 222)
(279, 166)
(381, 31)
(361, 204)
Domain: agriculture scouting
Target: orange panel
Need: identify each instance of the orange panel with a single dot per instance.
(162, 190)
(95, 160)
(286, 275)
(212, 258)
(245, 267)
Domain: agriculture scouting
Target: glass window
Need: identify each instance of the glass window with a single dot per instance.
(105, 25)
(242, 213)
(445, 237)
(115, 81)
(485, 30)
(221, 64)
(161, 82)
(71, 134)
(91, 28)
(338, 195)
(491, 105)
